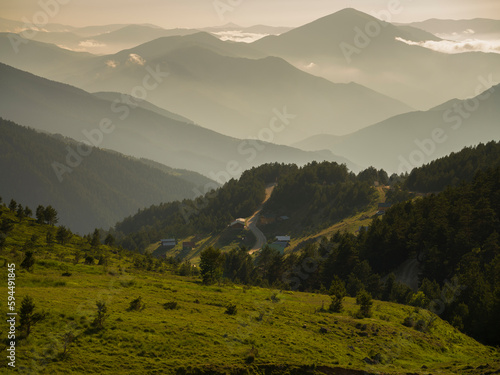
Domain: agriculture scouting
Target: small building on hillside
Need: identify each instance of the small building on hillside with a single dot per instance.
(285, 239)
(171, 242)
(280, 243)
(188, 246)
(238, 223)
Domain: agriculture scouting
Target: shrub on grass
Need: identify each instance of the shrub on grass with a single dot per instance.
(137, 305)
(252, 354)
(409, 322)
(231, 309)
(127, 283)
(170, 305)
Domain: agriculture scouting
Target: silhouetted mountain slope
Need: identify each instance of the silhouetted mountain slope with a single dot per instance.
(39, 58)
(127, 99)
(89, 189)
(402, 142)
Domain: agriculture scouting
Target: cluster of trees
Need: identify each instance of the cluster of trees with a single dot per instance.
(454, 168)
(324, 190)
(46, 215)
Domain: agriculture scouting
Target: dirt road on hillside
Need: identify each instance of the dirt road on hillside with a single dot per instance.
(260, 239)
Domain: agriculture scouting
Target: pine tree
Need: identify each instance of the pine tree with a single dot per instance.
(27, 316)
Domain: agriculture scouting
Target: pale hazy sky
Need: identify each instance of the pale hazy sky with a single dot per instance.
(200, 13)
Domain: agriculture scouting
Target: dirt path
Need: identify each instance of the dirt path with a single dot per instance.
(260, 239)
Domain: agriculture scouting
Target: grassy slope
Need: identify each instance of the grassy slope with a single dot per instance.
(199, 335)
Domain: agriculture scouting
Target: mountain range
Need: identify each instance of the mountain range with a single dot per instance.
(353, 46)
(217, 85)
(109, 39)
(132, 130)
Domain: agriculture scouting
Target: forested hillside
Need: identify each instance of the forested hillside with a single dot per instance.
(90, 188)
(453, 236)
(325, 192)
(454, 168)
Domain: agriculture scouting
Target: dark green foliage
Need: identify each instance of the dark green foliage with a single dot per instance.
(364, 300)
(29, 261)
(337, 292)
(28, 212)
(12, 205)
(170, 305)
(40, 214)
(20, 212)
(238, 265)
(101, 315)
(325, 189)
(6, 226)
(455, 168)
(95, 240)
(270, 266)
(211, 265)
(185, 269)
(137, 305)
(231, 309)
(27, 315)
(50, 215)
(409, 322)
(372, 175)
(274, 298)
(455, 234)
(63, 235)
(109, 240)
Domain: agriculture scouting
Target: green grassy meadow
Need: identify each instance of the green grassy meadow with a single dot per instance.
(184, 327)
